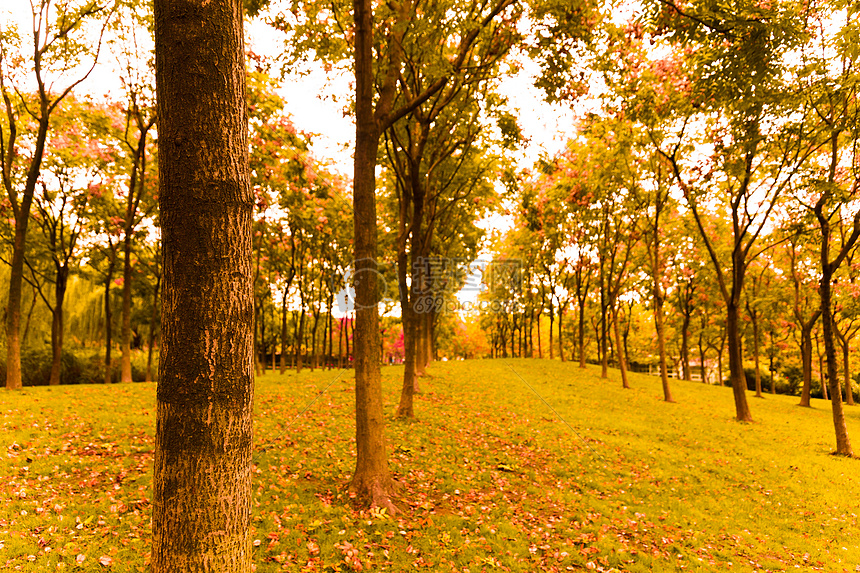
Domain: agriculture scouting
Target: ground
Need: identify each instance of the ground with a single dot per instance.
(511, 465)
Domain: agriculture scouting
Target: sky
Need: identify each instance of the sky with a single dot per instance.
(316, 103)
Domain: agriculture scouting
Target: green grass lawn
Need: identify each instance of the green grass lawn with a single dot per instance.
(511, 465)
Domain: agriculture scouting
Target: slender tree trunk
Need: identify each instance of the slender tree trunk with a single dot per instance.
(581, 334)
(754, 319)
(540, 349)
(739, 383)
(372, 478)
(843, 441)
(125, 332)
(153, 328)
(405, 408)
(330, 354)
(551, 322)
(57, 324)
(685, 347)
(284, 331)
(622, 360)
(203, 441)
(843, 338)
(560, 339)
(300, 336)
(806, 359)
(702, 369)
(661, 343)
(109, 315)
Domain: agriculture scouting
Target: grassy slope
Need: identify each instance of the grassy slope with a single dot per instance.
(519, 465)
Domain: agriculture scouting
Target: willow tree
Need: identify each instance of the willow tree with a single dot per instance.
(33, 82)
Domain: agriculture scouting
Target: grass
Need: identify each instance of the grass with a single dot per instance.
(511, 465)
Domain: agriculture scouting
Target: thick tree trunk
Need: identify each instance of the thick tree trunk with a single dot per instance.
(372, 479)
(203, 442)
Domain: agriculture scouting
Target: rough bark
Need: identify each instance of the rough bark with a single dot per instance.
(203, 444)
(372, 480)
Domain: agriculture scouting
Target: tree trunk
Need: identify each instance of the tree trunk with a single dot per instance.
(581, 334)
(540, 349)
(622, 360)
(405, 408)
(300, 336)
(372, 478)
(153, 328)
(284, 331)
(806, 359)
(661, 342)
(551, 322)
(203, 442)
(843, 338)
(109, 315)
(828, 268)
(736, 369)
(125, 332)
(754, 319)
(843, 441)
(16, 272)
(560, 339)
(685, 347)
(57, 324)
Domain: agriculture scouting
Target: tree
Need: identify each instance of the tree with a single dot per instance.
(75, 170)
(203, 443)
(60, 43)
(139, 122)
(736, 85)
(805, 312)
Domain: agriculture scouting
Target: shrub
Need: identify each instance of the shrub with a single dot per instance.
(793, 376)
(750, 376)
(77, 366)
